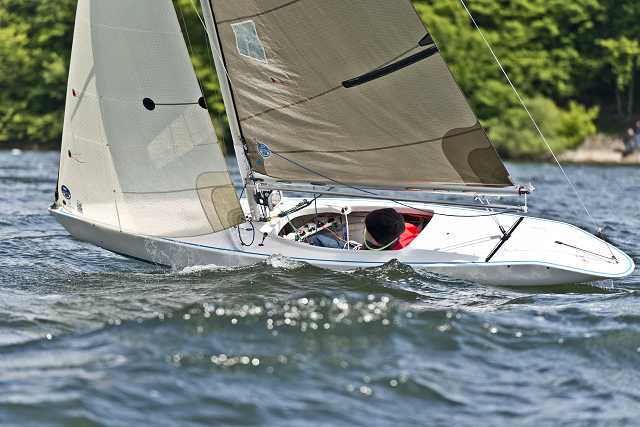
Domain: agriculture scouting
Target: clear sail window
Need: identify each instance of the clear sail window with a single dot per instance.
(247, 41)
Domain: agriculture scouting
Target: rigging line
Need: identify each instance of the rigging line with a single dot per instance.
(206, 37)
(186, 30)
(587, 251)
(195, 9)
(389, 147)
(190, 50)
(468, 243)
(315, 205)
(264, 12)
(489, 209)
(206, 31)
(371, 193)
(253, 228)
(535, 124)
(230, 85)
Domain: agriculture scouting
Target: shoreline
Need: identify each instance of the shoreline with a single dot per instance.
(602, 150)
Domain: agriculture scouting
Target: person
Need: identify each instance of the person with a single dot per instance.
(636, 138)
(632, 143)
(325, 241)
(385, 229)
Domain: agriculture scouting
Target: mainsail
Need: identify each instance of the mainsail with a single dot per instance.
(139, 152)
(349, 91)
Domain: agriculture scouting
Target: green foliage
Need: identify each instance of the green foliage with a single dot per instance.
(564, 129)
(576, 124)
(201, 58)
(562, 55)
(538, 43)
(622, 55)
(35, 41)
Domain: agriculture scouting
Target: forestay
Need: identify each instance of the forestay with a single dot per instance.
(353, 91)
(139, 152)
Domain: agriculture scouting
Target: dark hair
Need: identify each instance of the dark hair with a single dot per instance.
(384, 225)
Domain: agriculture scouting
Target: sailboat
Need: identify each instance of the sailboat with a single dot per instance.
(348, 104)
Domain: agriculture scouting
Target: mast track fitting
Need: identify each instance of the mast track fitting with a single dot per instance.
(151, 105)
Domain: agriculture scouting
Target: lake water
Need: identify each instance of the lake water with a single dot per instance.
(89, 338)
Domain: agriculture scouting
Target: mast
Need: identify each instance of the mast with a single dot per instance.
(239, 147)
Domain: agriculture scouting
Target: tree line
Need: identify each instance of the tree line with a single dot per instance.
(574, 62)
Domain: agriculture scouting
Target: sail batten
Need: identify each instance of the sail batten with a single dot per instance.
(356, 91)
(391, 68)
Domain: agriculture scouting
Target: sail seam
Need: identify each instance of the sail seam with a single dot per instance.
(265, 12)
(387, 147)
(283, 107)
(128, 29)
(208, 187)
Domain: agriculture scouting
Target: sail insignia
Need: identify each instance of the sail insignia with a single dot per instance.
(247, 41)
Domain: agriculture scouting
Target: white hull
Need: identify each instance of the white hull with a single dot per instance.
(452, 246)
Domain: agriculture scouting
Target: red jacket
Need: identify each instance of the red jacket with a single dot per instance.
(410, 233)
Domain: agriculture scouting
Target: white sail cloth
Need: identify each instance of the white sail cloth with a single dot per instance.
(354, 91)
(128, 161)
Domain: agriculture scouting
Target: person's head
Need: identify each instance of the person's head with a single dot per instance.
(638, 124)
(630, 132)
(383, 227)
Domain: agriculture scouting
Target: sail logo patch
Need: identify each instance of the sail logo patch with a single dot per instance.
(247, 41)
(264, 150)
(65, 192)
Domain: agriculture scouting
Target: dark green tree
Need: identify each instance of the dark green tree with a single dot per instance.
(538, 43)
(35, 42)
(569, 59)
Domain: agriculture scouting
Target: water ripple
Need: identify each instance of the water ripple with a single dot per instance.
(90, 338)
